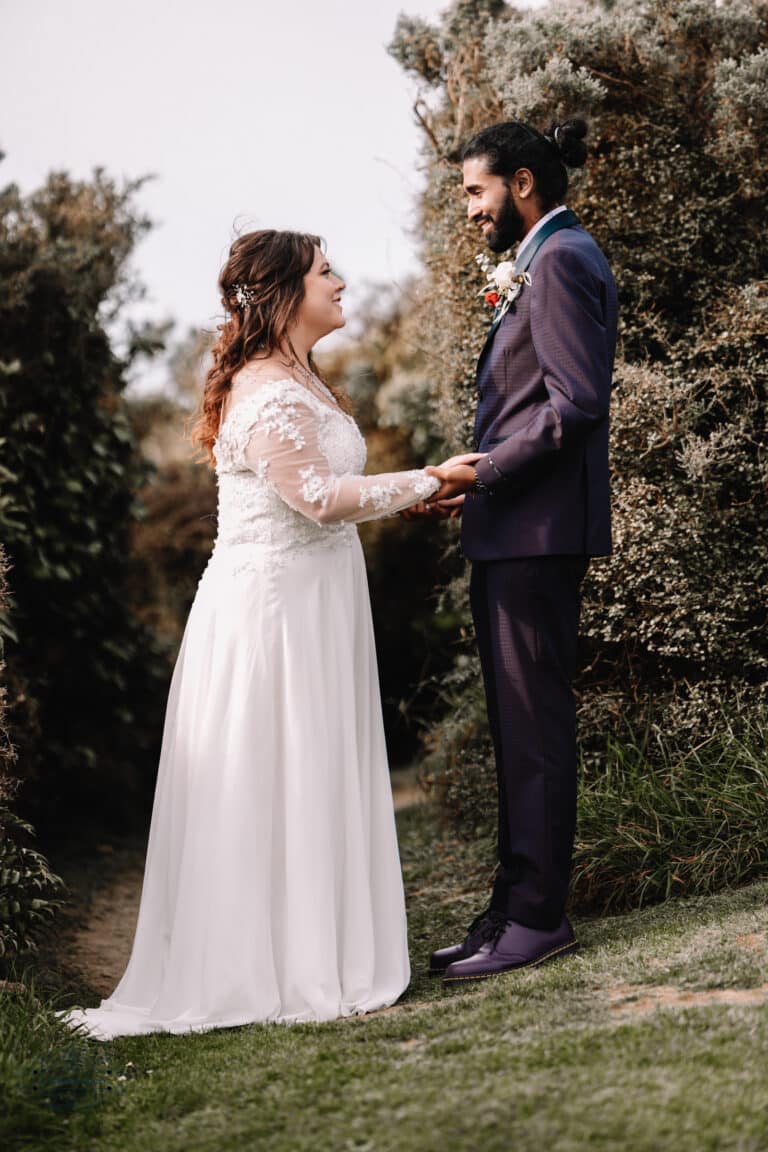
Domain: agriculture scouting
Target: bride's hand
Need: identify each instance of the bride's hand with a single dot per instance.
(456, 476)
(453, 507)
(454, 480)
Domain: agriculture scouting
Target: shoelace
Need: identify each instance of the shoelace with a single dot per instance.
(489, 924)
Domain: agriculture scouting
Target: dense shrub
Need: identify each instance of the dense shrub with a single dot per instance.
(676, 195)
(28, 887)
(84, 681)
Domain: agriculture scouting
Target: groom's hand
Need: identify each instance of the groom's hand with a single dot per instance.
(462, 458)
(455, 478)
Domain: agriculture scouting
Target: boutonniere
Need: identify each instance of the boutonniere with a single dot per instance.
(503, 285)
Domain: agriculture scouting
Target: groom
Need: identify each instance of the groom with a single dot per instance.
(536, 508)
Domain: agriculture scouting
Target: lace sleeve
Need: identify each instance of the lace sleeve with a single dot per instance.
(284, 445)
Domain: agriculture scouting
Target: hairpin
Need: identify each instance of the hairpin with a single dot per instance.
(243, 294)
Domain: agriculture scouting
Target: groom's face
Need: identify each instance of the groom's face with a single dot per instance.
(491, 206)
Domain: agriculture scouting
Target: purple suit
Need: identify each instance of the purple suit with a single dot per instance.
(544, 385)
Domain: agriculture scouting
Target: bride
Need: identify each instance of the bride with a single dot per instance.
(272, 888)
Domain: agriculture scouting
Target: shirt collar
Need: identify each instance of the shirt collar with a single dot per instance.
(537, 227)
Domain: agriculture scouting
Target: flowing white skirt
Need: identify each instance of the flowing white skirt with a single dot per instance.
(272, 888)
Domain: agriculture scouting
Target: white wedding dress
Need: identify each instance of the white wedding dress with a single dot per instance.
(272, 888)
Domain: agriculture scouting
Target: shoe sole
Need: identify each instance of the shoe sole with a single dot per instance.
(563, 950)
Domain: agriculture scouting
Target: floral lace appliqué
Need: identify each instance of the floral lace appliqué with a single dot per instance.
(424, 486)
(380, 495)
(315, 489)
(279, 415)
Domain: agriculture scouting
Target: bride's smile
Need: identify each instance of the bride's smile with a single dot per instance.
(320, 312)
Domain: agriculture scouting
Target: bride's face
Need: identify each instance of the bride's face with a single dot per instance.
(320, 310)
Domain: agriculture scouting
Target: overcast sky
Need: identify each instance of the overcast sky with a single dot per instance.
(260, 113)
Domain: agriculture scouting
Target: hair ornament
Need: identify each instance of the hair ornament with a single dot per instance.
(243, 295)
(554, 136)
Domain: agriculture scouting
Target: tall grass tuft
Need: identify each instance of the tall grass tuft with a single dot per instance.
(51, 1079)
(659, 820)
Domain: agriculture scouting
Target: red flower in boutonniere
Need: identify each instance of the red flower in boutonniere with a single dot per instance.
(503, 284)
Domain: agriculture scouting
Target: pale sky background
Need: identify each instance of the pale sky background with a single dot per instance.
(250, 113)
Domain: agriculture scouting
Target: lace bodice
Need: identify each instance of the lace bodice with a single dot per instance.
(289, 472)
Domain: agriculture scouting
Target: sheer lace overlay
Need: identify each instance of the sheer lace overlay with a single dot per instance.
(289, 468)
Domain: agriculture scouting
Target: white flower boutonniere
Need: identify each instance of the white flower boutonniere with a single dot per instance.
(503, 285)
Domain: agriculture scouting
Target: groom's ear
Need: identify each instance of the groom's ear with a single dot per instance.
(523, 184)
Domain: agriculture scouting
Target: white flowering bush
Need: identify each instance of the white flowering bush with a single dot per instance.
(674, 191)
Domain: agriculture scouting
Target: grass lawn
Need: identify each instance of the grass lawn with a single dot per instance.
(653, 1037)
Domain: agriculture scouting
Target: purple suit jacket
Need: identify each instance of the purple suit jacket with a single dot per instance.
(544, 387)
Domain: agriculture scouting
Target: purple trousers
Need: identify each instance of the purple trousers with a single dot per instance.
(526, 617)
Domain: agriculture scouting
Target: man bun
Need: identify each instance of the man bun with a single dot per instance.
(504, 148)
(568, 138)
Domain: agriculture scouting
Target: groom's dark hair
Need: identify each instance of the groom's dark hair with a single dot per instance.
(511, 145)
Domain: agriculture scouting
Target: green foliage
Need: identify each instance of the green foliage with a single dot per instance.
(83, 675)
(675, 193)
(459, 767)
(51, 1080)
(28, 887)
(663, 817)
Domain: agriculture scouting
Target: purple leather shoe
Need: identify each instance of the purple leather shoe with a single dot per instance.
(482, 928)
(512, 946)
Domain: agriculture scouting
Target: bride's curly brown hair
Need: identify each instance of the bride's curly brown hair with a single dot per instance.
(272, 266)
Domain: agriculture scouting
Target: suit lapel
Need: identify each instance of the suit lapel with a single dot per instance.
(565, 219)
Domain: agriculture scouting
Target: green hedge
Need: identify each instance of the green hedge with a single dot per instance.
(85, 683)
(28, 888)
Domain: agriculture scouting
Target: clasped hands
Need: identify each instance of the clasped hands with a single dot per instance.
(456, 476)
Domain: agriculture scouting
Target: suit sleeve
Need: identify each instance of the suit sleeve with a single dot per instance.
(571, 342)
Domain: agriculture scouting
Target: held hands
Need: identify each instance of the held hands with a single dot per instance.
(456, 476)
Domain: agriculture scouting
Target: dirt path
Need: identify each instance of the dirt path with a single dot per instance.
(98, 949)
(640, 1000)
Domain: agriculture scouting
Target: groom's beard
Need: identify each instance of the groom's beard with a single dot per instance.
(507, 228)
